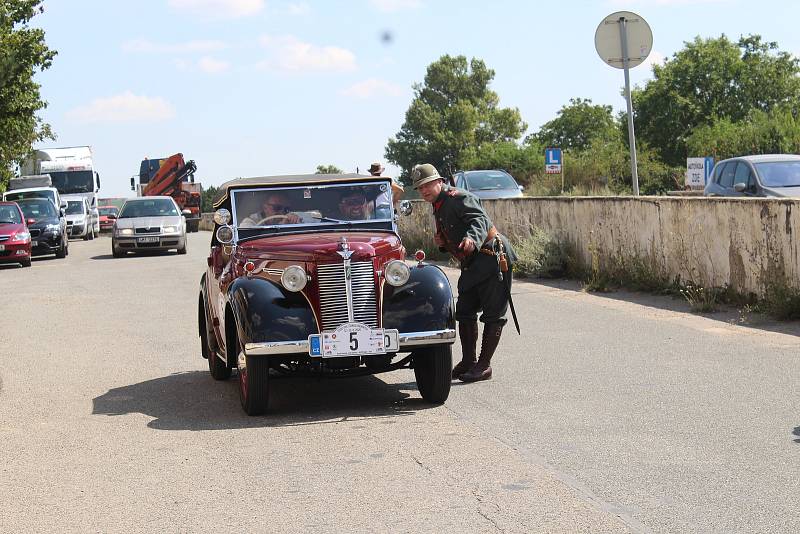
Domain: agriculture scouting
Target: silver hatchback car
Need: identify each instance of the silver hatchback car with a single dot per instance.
(765, 175)
(148, 224)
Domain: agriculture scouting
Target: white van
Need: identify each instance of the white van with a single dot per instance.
(79, 217)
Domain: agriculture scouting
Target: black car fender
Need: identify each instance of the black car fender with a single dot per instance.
(265, 312)
(423, 304)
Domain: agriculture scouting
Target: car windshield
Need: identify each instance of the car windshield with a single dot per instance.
(44, 193)
(37, 208)
(9, 215)
(779, 173)
(329, 204)
(72, 181)
(156, 207)
(108, 211)
(74, 207)
(485, 181)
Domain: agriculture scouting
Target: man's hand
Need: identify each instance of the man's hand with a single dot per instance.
(292, 218)
(467, 245)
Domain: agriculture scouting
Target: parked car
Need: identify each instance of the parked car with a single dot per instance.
(148, 224)
(766, 175)
(15, 239)
(79, 218)
(108, 214)
(47, 226)
(488, 184)
(306, 275)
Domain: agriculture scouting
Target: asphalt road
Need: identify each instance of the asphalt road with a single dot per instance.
(612, 413)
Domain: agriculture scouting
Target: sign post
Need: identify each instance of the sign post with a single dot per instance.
(624, 40)
(554, 163)
(698, 171)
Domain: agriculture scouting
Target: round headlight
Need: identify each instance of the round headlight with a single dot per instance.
(222, 216)
(225, 234)
(397, 273)
(294, 278)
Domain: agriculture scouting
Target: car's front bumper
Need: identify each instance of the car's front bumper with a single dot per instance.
(408, 341)
(76, 230)
(145, 242)
(15, 252)
(45, 243)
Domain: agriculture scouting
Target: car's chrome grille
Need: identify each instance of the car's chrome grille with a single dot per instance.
(333, 294)
(151, 230)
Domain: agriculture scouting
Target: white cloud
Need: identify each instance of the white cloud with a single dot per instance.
(149, 47)
(289, 54)
(125, 107)
(372, 87)
(390, 6)
(298, 8)
(210, 65)
(219, 8)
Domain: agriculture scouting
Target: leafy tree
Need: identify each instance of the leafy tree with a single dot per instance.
(23, 52)
(328, 169)
(453, 114)
(207, 199)
(710, 80)
(577, 124)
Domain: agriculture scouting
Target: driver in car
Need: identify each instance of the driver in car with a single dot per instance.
(275, 209)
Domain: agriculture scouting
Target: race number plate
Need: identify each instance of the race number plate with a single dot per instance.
(353, 339)
(147, 240)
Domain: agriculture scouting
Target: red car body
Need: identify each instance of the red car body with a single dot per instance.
(106, 222)
(15, 239)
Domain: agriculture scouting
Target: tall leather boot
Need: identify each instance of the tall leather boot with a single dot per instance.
(468, 332)
(481, 370)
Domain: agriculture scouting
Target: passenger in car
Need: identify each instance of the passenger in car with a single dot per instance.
(353, 204)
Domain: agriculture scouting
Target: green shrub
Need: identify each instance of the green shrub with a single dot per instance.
(540, 255)
(782, 302)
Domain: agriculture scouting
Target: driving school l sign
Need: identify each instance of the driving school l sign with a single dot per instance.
(553, 160)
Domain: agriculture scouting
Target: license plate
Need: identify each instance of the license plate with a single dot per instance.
(34, 243)
(147, 240)
(353, 339)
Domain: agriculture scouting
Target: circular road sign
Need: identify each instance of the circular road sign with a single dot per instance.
(608, 41)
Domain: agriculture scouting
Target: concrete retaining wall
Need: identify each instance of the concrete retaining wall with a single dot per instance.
(744, 243)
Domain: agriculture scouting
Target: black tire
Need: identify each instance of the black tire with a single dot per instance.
(182, 250)
(26, 263)
(432, 368)
(90, 234)
(116, 251)
(62, 250)
(253, 379)
(216, 366)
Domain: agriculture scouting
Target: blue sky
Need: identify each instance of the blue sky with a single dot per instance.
(259, 87)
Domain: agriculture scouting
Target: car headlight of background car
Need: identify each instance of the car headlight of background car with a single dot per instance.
(397, 273)
(294, 278)
(20, 237)
(54, 228)
(170, 230)
(124, 231)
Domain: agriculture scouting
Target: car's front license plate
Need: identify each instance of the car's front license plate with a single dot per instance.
(353, 339)
(34, 243)
(147, 240)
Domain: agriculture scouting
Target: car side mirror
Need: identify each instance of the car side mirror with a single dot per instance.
(521, 188)
(405, 207)
(63, 205)
(97, 174)
(740, 187)
(62, 212)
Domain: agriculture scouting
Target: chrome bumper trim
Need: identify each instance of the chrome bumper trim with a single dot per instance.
(408, 340)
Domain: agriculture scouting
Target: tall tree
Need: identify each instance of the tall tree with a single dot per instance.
(23, 52)
(452, 112)
(328, 169)
(577, 124)
(711, 79)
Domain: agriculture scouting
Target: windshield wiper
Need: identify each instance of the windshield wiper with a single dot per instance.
(9, 222)
(329, 219)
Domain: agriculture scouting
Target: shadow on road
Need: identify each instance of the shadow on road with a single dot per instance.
(194, 401)
(796, 432)
(726, 314)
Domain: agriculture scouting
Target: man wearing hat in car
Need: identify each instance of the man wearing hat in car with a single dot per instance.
(376, 169)
(465, 231)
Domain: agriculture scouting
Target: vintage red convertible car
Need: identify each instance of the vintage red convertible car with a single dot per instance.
(307, 276)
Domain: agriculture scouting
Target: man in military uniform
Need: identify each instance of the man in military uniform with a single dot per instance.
(465, 231)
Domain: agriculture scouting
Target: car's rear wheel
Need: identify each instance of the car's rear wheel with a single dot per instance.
(216, 366)
(432, 368)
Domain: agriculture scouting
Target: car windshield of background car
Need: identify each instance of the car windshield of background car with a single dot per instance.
(779, 173)
(148, 208)
(74, 208)
(487, 181)
(108, 211)
(9, 215)
(313, 205)
(31, 194)
(37, 208)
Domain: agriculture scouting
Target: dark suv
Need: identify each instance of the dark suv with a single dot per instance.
(47, 226)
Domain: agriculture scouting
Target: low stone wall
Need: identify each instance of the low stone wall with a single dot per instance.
(206, 222)
(746, 244)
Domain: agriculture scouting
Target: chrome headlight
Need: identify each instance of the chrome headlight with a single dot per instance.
(222, 216)
(55, 228)
(124, 231)
(170, 230)
(397, 273)
(294, 278)
(21, 236)
(225, 234)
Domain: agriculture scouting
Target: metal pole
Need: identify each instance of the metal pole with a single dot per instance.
(623, 34)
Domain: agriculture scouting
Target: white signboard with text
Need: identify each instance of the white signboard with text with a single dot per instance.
(698, 170)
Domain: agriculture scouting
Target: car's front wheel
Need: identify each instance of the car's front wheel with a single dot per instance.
(115, 250)
(62, 251)
(432, 368)
(254, 384)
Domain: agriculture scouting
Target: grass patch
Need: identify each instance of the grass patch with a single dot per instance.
(540, 255)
